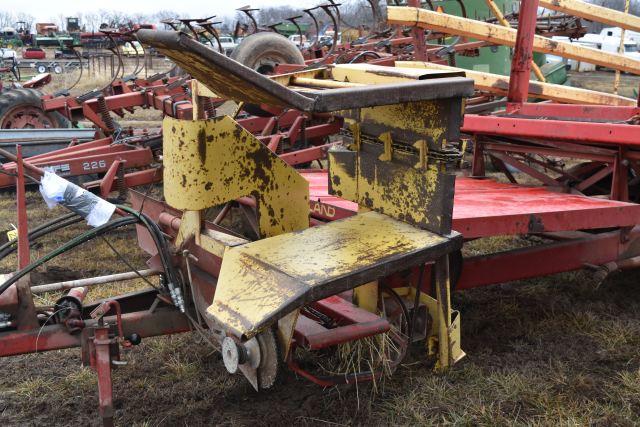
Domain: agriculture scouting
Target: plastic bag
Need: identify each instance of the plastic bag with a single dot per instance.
(56, 190)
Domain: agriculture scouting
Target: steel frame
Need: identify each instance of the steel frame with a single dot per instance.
(605, 134)
(592, 133)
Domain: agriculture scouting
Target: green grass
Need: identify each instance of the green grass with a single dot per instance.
(559, 350)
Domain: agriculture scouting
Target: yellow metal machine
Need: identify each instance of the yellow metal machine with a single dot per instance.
(394, 162)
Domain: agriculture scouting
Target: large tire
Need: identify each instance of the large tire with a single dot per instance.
(262, 51)
(22, 109)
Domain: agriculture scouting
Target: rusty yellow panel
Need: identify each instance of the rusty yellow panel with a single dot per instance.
(265, 280)
(211, 162)
(190, 225)
(288, 78)
(411, 121)
(226, 85)
(420, 196)
(217, 242)
(378, 74)
(343, 181)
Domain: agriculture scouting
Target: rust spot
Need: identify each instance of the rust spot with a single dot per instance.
(202, 145)
(184, 180)
(208, 185)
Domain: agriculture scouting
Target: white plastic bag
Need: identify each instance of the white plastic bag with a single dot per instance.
(56, 190)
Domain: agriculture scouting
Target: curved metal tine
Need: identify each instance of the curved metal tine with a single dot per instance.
(208, 18)
(315, 24)
(273, 27)
(187, 22)
(131, 33)
(293, 21)
(137, 71)
(115, 51)
(173, 23)
(337, 8)
(328, 10)
(208, 27)
(247, 10)
(77, 54)
(376, 13)
(204, 34)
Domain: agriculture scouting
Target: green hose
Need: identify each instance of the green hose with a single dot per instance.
(76, 241)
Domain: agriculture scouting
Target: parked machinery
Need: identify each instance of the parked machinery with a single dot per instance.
(380, 258)
(319, 287)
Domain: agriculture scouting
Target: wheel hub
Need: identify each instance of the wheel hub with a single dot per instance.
(26, 117)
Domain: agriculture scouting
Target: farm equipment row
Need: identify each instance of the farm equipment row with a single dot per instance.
(364, 249)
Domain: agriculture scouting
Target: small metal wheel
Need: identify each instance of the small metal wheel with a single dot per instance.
(258, 358)
(270, 358)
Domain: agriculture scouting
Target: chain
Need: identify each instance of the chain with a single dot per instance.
(447, 155)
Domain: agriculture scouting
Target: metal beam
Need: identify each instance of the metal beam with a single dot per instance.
(593, 12)
(498, 34)
(493, 83)
(581, 132)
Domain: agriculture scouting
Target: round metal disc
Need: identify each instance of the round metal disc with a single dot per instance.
(230, 355)
(269, 359)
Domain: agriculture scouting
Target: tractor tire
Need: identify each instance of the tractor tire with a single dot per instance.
(263, 51)
(22, 109)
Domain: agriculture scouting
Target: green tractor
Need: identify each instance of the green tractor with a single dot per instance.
(10, 38)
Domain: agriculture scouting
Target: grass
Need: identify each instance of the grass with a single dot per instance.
(557, 350)
(603, 81)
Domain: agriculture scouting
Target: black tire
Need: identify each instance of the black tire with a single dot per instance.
(24, 97)
(262, 51)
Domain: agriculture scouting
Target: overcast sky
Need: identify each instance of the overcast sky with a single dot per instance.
(44, 10)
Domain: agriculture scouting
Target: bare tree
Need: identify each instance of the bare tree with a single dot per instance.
(161, 15)
(6, 18)
(274, 15)
(634, 9)
(92, 21)
(29, 20)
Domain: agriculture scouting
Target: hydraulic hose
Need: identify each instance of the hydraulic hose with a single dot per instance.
(40, 231)
(76, 241)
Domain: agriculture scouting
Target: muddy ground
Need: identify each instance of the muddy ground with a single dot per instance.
(559, 350)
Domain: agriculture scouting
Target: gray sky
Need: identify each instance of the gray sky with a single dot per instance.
(44, 10)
